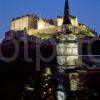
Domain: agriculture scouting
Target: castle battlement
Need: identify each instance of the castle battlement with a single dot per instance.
(30, 22)
(35, 26)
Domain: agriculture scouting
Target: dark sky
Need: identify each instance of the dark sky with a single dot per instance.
(87, 11)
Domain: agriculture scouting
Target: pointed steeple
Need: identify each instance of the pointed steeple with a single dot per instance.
(66, 13)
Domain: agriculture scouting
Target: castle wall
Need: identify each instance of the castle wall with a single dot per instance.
(50, 30)
(42, 24)
(74, 21)
(35, 26)
(59, 21)
(22, 23)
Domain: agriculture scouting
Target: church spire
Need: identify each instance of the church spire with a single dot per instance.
(66, 13)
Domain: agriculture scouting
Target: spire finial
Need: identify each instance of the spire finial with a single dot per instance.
(66, 13)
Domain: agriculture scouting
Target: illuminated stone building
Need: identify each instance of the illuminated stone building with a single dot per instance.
(64, 76)
(36, 26)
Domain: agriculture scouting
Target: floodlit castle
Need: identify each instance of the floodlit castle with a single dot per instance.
(36, 26)
(72, 74)
(66, 31)
(33, 23)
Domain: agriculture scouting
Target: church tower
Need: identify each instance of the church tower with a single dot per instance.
(67, 56)
(66, 13)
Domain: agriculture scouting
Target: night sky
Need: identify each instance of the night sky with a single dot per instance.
(87, 11)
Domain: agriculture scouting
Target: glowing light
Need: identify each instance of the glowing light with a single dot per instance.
(44, 93)
(50, 89)
(46, 84)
